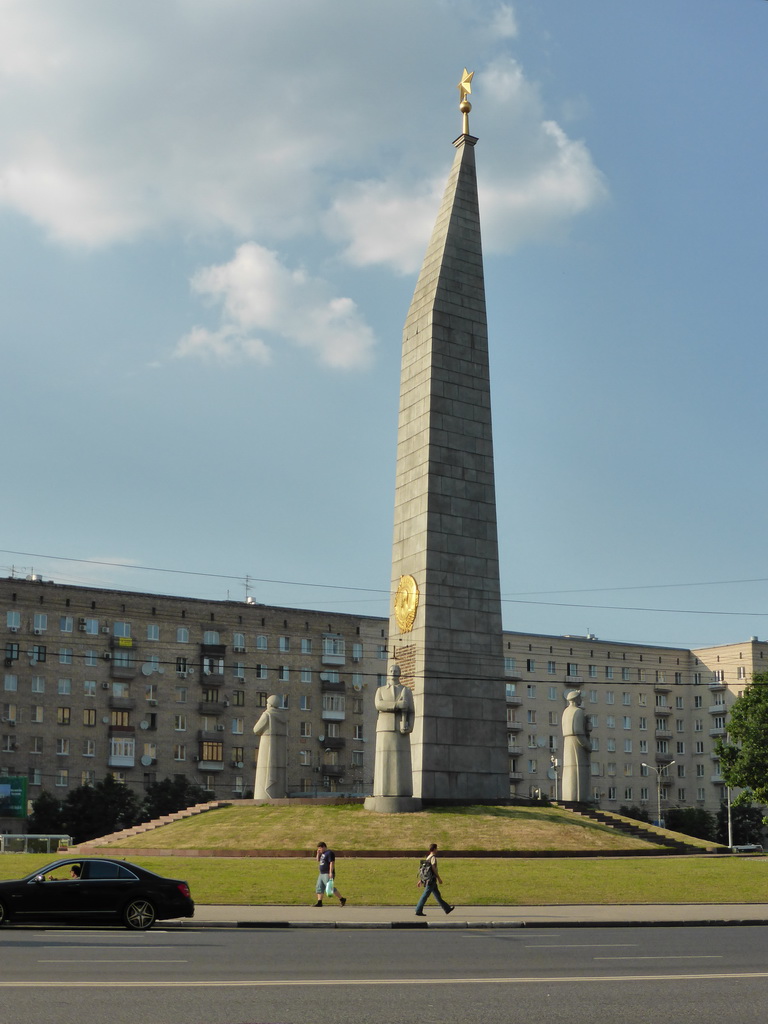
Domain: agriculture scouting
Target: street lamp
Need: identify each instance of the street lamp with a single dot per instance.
(658, 787)
(555, 765)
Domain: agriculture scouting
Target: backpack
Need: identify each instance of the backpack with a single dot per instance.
(426, 873)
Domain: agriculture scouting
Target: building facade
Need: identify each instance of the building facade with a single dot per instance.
(147, 686)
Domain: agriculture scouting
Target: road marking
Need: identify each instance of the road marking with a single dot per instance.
(681, 956)
(91, 960)
(586, 945)
(369, 982)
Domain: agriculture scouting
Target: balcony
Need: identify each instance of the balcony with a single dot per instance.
(210, 766)
(332, 715)
(662, 709)
(211, 707)
(121, 760)
(334, 771)
(717, 709)
(121, 703)
(719, 731)
(514, 726)
(512, 748)
(515, 776)
(717, 684)
(210, 736)
(662, 687)
(663, 734)
(514, 700)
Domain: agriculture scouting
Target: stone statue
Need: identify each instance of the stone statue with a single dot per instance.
(576, 750)
(272, 761)
(392, 767)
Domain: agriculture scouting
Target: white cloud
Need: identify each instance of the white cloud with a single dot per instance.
(532, 180)
(258, 293)
(504, 23)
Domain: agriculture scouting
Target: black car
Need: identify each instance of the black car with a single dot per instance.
(92, 890)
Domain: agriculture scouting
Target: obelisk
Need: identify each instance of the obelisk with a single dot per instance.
(445, 628)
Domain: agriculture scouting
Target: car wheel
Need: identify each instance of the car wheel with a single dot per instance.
(139, 915)
(3, 914)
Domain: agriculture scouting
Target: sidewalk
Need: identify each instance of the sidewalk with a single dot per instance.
(331, 915)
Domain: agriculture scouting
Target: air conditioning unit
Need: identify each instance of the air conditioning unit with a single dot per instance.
(107, 656)
(13, 629)
(39, 632)
(356, 660)
(152, 702)
(195, 757)
(105, 686)
(81, 626)
(81, 621)
(182, 675)
(221, 728)
(105, 629)
(8, 662)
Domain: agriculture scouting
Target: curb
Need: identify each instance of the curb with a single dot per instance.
(461, 925)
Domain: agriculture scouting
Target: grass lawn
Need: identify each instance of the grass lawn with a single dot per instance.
(350, 827)
(391, 881)
(523, 881)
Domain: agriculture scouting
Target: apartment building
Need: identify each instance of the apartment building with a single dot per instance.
(656, 715)
(147, 686)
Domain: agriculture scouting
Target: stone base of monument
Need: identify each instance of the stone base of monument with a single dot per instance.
(392, 804)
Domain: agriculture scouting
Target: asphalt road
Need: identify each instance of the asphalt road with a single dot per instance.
(228, 976)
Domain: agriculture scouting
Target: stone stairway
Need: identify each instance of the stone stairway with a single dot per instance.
(148, 826)
(629, 828)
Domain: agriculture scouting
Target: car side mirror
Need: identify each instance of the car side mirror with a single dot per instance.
(39, 878)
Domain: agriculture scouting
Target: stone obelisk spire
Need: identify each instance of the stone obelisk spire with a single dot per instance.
(445, 629)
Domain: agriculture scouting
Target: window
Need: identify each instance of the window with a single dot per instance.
(609, 671)
(37, 713)
(180, 723)
(305, 702)
(62, 747)
(64, 686)
(153, 631)
(679, 703)
(238, 726)
(38, 684)
(305, 729)
(283, 699)
(572, 668)
(63, 716)
(306, 645)
(610, 697)
(625, 674)
(89, 716)
(122, 718)
(238, 698)
(626, 699)
(182, 635)
(181, 694)
(531, 690)
(122, 629)
(381, 652)
(181, 666)
(212, 665)
(211, 637)
(36, 745)
(13, 620)
(305, 675)
(91, 626)
(238, 670)
(40, 622)
(642, 723)
(62, 777)
(39, 653)
(179, 752)
(91, 658)
(11, 652)
(212, 750)
(627, 722)
(88, 778)
(261, 671)
(593, 696)
(551, 668)
(283, 643)
(532, 766)
(627, 746)
(305, 757)
(357, 758)
(89, 748)
(284, 674)
(553, 718)
(592, 671)
(610, 721)
(11, 684)
(358, 733)
(89, 687)
(261, 643)
(238, 643)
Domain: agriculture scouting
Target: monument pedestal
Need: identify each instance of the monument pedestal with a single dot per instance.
(392, 804)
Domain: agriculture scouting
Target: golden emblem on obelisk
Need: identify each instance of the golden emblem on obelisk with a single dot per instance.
(406, 603)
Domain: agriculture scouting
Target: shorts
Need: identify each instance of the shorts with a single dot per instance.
(322, 881)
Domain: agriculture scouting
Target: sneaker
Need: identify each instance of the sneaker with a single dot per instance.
(450, 910)
(420, 914)
(342, 900)
(319, 903)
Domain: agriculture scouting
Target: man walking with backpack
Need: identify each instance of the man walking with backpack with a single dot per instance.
(429, 878)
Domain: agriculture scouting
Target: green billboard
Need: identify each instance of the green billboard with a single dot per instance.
(13, 796)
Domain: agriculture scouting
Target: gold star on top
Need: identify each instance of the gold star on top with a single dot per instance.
(465, 85)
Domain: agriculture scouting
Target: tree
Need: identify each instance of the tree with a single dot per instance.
(171, 795)
(47, 817)
(744, 758)
(746, 824)
(691, 821)
(91, 811)
(638, 813)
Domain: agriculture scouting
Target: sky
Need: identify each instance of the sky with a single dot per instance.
(212, 214)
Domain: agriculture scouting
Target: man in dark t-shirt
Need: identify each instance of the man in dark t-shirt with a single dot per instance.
(326, 865)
